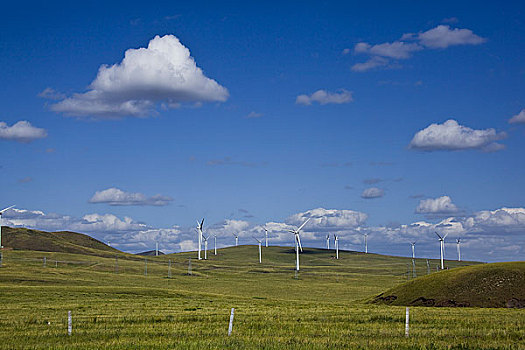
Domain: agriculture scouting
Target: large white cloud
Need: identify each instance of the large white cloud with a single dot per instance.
(439, 37)
(437, 206)
(518, 118)
(451, 136)
(115, 196)
(164, 72)
(324, 97)
(21, 131)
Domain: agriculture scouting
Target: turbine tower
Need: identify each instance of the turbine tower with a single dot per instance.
(199, 233)
(413, 250)
(442, 248)
(215, 244)
(1, 222)
(156, 248)
(328, 241)
(260, 249)
(366, 243)
(336, 246)
(266, 236)
(298, 242)
(236, 235)
(205, 247)
(458, 241)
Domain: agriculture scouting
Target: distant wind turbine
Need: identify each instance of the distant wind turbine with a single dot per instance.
(266, 236)
(236, 235)
(260, 249)
(458, 241)
(156, 248)
(1, 222)
(442, 248)
(215, 244)
(199, 233)
(205, 247)
(366, 243)
(298, 241)
(413, 250)
(328, 241)
(336, 239)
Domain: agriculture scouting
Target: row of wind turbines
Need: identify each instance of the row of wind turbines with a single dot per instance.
(299, 248)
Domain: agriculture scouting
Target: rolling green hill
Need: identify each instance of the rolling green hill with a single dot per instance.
(63, 242)
(487, 285)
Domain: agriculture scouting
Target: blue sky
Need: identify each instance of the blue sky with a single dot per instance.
(290, 108)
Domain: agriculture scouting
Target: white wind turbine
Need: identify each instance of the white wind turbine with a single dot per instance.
(458, 241)
(298, 241)
(413, 244)
(205, 247)
(215, 244)
(336, 239)
(1, 222)
(260, 249)
(442, 248)
(328, 241)
(199, 233)
(266, 236)
(366, 243)
(236, 235)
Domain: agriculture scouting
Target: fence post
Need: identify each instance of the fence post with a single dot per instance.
(406, 322)
(230, 327)
(69, 323)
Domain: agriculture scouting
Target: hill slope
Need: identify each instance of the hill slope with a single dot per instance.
(61, 242)
(487, 285)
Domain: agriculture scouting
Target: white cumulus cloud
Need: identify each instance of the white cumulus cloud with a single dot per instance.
(437, 206)
(21, 131)
(451, 136)
(443, 36)
(115, 196)
(324, 97)
(164, 72)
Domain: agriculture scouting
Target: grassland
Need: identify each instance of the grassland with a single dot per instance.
(324, 307)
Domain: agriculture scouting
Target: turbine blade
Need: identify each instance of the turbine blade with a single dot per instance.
(438, 235)
(2, 211)
(304, 223)
(445, 236)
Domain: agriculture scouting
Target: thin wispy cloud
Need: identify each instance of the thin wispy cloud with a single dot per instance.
(230, 161)
(163, 74)
(386, 54)
(116, 197)
(451, 136)
(324, 97)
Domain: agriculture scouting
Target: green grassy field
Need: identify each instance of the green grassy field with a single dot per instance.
(324, 307)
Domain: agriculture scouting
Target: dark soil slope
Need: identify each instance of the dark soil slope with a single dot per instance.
(487, 285)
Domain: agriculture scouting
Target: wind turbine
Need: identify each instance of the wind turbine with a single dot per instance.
(236, 235)
(298, 241)
(199, 233)
(336, 246)
(1, 222)
(459, 250)
(156, 248)
(205, 247)
(260, 249)
(215, 244)
(413, 250)
(366, 243)
(266, 236)
(328, 241)
(442, 248)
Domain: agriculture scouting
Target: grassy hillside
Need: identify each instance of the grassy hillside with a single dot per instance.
(487, 285)
(63, 242)
(116, 305)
